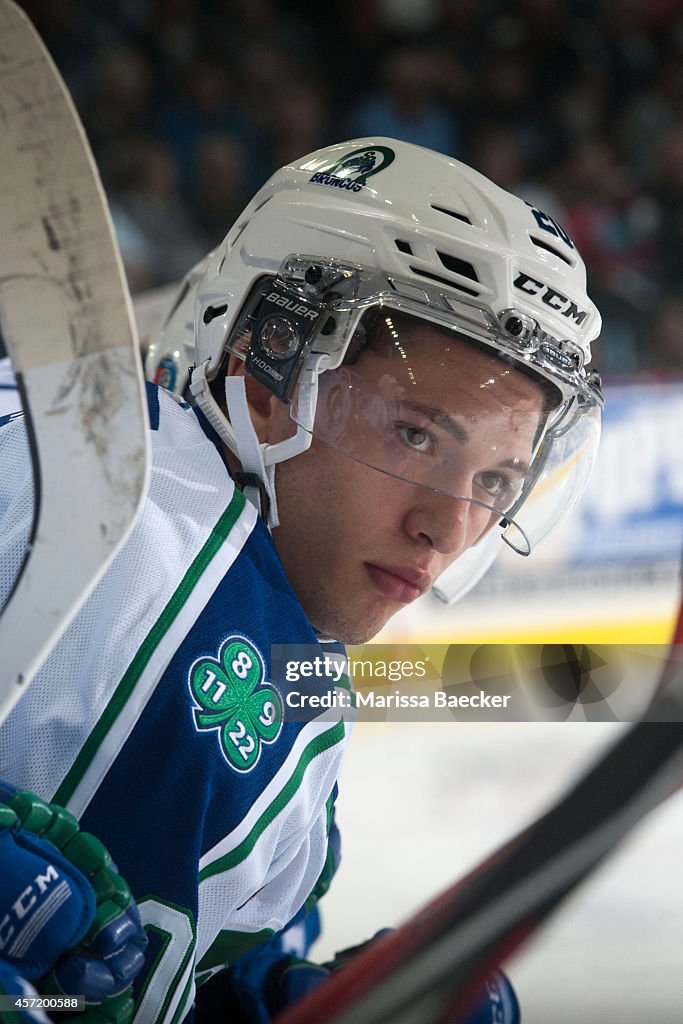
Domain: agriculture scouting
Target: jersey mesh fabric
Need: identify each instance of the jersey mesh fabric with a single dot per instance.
(189, 491)
(285, 865)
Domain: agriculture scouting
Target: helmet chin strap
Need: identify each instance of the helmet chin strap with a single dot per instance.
(258, 461)
(258, 480)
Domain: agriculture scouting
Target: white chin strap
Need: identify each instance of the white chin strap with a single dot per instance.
(250, 451)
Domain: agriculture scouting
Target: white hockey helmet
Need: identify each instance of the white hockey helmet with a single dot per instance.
(355, 234)
(171, 352)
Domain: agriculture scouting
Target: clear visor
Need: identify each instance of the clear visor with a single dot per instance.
(429, 406)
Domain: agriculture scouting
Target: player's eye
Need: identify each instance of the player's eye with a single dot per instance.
(499, 486)
(416, 438)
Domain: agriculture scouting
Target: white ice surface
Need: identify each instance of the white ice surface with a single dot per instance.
(422, 803)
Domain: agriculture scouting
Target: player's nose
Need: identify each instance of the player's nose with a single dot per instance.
(449, 525)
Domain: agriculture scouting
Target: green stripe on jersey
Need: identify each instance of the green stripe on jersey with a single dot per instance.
(242, 850)
(137, 666)
(227, 946)
(329, 867)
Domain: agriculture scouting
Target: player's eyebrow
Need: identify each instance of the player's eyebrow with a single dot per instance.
(446, 422)
(441, 419)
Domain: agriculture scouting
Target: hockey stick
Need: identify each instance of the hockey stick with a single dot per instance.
(66, 319)
(427, 971)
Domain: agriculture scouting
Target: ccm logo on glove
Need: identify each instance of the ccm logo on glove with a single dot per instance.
(35, 897)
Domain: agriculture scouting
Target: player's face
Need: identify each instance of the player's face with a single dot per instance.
(359, 543)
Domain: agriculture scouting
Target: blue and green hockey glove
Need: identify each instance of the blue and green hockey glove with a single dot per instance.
(68, 921)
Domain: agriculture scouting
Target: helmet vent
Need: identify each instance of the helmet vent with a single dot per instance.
(452, 213)
(458, 266)
(445, 280)
(403, 246)
(542, 244)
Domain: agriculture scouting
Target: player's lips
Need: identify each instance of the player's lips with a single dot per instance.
(401, 583)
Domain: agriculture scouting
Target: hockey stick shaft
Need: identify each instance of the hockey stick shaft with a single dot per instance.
(425, 971)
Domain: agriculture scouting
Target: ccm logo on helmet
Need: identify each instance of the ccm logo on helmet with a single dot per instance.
(293, 307)
(551, 297)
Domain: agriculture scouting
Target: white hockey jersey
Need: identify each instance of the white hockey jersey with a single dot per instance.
(157, 719)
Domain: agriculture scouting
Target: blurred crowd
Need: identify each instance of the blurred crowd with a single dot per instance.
(575, 105)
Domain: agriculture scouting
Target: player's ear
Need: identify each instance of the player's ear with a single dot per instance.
(265, 408)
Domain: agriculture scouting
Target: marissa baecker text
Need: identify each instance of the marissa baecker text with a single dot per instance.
(396, 699)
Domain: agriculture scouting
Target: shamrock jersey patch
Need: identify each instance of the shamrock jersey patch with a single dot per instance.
(234, 698)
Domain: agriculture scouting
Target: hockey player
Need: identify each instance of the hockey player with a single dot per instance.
(389, 381)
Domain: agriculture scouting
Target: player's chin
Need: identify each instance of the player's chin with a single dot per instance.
(360, 634)
(354, 626)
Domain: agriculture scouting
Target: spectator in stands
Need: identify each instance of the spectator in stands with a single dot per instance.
(408, 105)
(667, 185)
(664, 354)
(220, 189)
(121, 103)
(207, 102)
(145, 192)
(614, 224)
